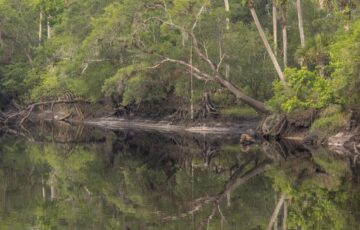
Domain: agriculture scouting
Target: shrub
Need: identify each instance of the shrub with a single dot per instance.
(304, 90)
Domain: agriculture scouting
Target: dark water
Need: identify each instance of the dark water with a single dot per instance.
(56, 176)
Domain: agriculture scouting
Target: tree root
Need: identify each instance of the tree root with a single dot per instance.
(24, 114)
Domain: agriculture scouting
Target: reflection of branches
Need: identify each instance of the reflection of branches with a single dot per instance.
(229, 188)
(24, 114)
(285, 215)
(209, 152)
(30, 135)
(276, 212)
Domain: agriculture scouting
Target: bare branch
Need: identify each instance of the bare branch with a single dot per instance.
(25, 113)
(197, 17)
(200, 54)
(86, 64)
(167, 11)
(220, 62)
(205, 49)
(165, 22)
(197, 72)
(84, 69)
(203, 56)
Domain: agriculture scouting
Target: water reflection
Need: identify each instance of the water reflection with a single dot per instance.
(61, 176)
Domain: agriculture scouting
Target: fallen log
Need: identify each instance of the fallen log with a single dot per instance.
(25, 113)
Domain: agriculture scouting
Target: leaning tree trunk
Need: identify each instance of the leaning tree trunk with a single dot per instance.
(274, 14)
(284, 32)
(257, 105)
(301, 25)
(266, 43)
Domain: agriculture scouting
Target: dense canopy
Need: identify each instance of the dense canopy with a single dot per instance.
(269, 55)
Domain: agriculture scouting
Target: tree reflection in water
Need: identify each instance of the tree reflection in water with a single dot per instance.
(64, 176)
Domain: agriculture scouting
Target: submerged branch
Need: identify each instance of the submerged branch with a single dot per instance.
(24, 114)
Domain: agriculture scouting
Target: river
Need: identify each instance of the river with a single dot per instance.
(62, 176)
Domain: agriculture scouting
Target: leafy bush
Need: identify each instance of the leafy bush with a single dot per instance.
(329, 124)
(345, 60)
(331, 120)
(304, 90)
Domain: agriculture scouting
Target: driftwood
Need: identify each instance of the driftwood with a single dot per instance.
(25, 113)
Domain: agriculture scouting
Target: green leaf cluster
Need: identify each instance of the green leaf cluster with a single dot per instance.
(304, 90)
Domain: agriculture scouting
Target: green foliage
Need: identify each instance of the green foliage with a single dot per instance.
(52, 83)
(317, 200)
(14, 77)
(345, 60)
(305, 89)
(238, 112)
(94, 44)
(330, 121)
(51, 8)
(87, 86)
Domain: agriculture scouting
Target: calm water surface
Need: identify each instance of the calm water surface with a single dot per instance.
(59, 176)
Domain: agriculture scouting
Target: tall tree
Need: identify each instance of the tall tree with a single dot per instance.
(265, 41)
(300, 22)
(284, 31)
(227, 10)
(274, 15)
(40, 26)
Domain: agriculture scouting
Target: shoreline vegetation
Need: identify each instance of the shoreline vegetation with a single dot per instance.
(186, 63)
(329, 127)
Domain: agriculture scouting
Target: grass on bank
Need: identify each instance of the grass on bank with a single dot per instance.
(238, 112)
(331, 120)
